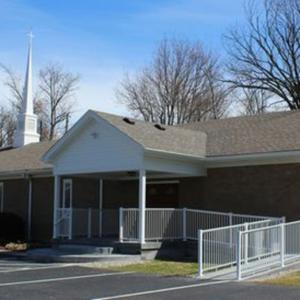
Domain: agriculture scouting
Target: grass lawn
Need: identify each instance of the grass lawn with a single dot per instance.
(292, 279)
(160, 267)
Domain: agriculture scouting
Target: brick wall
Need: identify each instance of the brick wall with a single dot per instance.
(42, 209)
(16, 197)
(268, 190)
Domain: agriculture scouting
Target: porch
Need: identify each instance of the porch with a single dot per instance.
(129, 209)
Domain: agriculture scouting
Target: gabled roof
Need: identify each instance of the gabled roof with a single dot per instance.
(271, 132)
(263, 134)
(25, 159)
(173, 139)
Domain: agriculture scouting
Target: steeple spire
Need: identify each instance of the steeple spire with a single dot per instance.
(27, 103)
(26, 131)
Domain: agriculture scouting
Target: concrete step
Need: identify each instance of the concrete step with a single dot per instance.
(84, 249)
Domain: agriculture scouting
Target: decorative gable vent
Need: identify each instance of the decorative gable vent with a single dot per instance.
(159, 127)
(128, 121)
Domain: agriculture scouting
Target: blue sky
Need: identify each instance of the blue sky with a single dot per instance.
(103, 39)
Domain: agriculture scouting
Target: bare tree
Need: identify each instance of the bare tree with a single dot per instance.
(182, 84)
(53, 99)
(265, 54)
(253, 101)
(57, 89)
(7, 126)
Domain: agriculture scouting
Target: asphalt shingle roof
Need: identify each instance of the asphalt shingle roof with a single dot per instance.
(271, 132)
(25, 158)
(173, 139)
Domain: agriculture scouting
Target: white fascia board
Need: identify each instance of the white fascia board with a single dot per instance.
(270, 158)
(173, 163)
(173, 155)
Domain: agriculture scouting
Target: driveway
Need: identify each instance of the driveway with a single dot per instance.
(22, 280)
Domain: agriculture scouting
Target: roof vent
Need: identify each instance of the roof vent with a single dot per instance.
(128, 121)
(159, 127)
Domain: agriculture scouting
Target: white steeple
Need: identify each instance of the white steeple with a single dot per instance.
(26, 131)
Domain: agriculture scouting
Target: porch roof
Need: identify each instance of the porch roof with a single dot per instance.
(171, 139)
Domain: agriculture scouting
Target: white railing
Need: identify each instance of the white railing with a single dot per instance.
(129, 224)
(263, 248)
(177, 224)
(160, 223)
(87, 222)
(163, 224)
(217, 246)
(63, 222)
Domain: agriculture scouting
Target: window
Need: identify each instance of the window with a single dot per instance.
(67, 193)
(1, 196)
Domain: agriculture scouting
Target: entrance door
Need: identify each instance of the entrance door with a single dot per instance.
(162, 195)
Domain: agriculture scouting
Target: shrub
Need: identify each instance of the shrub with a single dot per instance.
(12, 228)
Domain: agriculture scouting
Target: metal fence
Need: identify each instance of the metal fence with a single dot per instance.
(217, 247)
(87, 223)
(176, 224)
(129, 224)
(264, 248)
(63, 222)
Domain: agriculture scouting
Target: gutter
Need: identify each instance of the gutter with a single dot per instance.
(47, 172)
(290, 156)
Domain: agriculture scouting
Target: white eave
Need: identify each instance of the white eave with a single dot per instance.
(173, 155)
(276, 157)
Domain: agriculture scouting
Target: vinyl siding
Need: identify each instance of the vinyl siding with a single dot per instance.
(98, 147)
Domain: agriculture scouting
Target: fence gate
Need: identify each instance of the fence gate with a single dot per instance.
(218, 247)
(263, 249)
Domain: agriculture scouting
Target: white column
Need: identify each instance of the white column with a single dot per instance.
(246, 227)
(29, 209)
(121, 224)
(56, 204)
(239, 256)
(100, 206)
(200, 253)
(142, 205)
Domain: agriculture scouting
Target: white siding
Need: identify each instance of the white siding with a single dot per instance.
(98, 147)
(174, 166)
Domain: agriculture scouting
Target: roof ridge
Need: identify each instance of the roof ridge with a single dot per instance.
(144, 122)
(245, 117)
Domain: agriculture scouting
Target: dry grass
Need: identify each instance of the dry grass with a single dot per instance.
(160, 267)
(290, 279)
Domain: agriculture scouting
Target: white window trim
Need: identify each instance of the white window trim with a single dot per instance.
(2, 196)
(65, 182)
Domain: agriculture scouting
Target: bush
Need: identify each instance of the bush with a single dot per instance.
(12, 228)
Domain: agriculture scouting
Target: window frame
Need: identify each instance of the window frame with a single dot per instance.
(66, 182)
